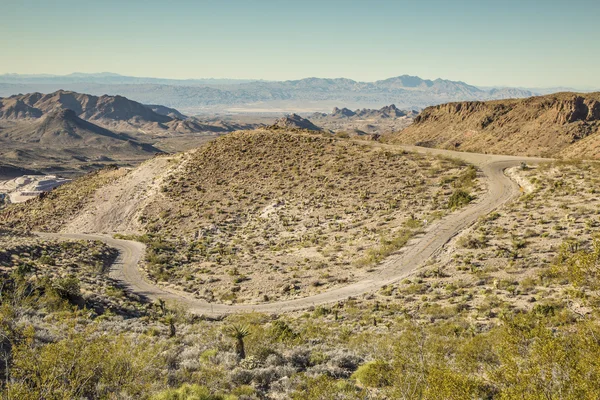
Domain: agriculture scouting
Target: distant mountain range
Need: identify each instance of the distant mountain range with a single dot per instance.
(310, 94)
(112, 78)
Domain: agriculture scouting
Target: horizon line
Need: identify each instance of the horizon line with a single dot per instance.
(116, 74)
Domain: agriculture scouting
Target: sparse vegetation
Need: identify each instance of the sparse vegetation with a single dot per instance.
(507, 313)
(293, 213)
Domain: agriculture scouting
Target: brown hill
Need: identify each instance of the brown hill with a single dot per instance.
(294, 121)
(62, 131)
(15, 108)
(264, 202)
(168, 111)
(561, 124)
(364, 121)
(92, 108)
(116, 113)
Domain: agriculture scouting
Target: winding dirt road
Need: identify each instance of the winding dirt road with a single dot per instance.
(395, 268)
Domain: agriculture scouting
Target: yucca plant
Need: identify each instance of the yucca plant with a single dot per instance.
(239, 333)
(170, 319)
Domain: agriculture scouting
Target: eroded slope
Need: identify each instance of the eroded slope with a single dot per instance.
(553, 125)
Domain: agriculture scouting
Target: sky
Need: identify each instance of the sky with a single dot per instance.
(525, 43)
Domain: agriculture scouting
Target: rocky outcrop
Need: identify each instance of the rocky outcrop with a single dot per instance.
(294, 121)
(17, 109)
(342, 112)
(560, 108)
(540, 126)
(168, 111)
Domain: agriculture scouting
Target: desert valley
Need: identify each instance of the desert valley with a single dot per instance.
(315, 238)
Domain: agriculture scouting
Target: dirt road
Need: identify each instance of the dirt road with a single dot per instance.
(395, 268)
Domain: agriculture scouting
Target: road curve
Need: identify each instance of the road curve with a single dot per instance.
(396, 267)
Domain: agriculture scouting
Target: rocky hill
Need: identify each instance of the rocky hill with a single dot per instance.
(294, 121)
(168, 111)
(62, 132)
(365, 121)
(66, 130)
(88, 107)
(561, 124)
(268, 202)
(390, 111)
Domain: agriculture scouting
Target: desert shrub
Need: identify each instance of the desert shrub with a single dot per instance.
(187, 392)
(459, 198)
(84, 366)
(299, 358)
(325, 388)
(467, 178)
(471, 242)
(582, 267)
(374, 374)
(445, 383)
(282, 331)
(47, 260)
(345, 361)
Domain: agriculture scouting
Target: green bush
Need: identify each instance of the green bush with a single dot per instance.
(187, 392)
(374, 374)
(459, 199)
(85, 366)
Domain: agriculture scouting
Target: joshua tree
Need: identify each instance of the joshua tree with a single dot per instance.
(162, 306)
(239, 333)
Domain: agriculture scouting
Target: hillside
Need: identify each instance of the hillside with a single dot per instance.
(116, 113)
(8, 171)
(62, 133)
(259, 215)
(508, 308)
(92, 108)
(561, 124)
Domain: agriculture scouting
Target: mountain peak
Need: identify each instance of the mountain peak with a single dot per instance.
(294, 121)
(64, 114)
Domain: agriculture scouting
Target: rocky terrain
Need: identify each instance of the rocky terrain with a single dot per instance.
(25, 187)
(71, 133)
(62, 143)
(294, 121)
(556, 125)
(365, 121)
(507, 309)
(112, 112)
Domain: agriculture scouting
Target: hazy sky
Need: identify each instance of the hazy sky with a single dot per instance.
(534, 43)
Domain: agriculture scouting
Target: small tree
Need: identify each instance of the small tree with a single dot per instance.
(239, 333)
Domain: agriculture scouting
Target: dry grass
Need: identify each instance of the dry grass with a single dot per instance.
(259, 216)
